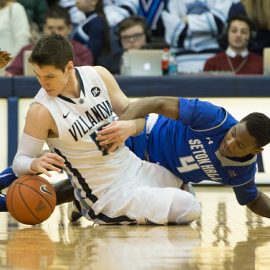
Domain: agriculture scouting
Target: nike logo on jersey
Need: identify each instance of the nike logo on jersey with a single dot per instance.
(66, 115)
(209, 140)
(95, 91)
(44, 189)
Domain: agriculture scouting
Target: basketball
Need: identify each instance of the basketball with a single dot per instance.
(31, 199)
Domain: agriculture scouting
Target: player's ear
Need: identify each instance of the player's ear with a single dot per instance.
(257, 151)
(69, 66)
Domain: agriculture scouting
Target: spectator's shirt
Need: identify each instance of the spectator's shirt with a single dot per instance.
(193, 29)
(82, 57)
(92, 32)
(237, 64)
(189, 147)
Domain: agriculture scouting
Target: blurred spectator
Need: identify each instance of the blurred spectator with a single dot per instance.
(151, 11)
(57, 20)
(193, 28)
(93, 32)
(35, 11)
(118, 10)
(259, 12)
(132, 33)
(76, 15)
(237, 59)
(14, 26)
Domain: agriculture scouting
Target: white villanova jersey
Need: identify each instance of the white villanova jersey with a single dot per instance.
(77, 119)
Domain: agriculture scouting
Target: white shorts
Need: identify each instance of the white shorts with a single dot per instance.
(145, 200)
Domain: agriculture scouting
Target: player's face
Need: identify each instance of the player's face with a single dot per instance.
(52, 79)
(238, 35)
(238, 142)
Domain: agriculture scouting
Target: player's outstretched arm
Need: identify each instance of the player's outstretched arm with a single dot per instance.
(37, 127)
(167, 106)
(261, 205)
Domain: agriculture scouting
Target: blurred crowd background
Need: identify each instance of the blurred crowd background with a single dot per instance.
(193, 36)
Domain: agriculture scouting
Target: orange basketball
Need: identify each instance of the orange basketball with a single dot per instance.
(31, 199)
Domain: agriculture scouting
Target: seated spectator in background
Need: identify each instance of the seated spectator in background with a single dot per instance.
(93, 32)
(57, 20)
(14, 27)
(237, 58)
(259, 12)
(193, 28)
(118, 10)
(5, 58)
(76, 15)
(152, 11)
(132, 33)
(35, 11)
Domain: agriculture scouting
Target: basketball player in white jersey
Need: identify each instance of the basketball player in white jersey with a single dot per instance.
(69, 109)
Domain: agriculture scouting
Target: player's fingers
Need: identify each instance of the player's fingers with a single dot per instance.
(54, 159)
(113, 148)
(43, 170)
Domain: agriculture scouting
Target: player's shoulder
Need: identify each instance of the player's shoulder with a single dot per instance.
(37, 110)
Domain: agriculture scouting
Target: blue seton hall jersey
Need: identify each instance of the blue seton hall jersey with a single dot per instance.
(189, 147)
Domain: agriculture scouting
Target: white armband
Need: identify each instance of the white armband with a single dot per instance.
(29, 148)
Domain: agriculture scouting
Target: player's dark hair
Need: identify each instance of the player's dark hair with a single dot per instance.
(258, 125)
(52, 50)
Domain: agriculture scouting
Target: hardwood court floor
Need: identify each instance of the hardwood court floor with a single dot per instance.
(227, 236)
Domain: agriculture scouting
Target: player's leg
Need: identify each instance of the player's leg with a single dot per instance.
(183, 209)
(6, 178)
(143, 205)
(65, 194)
(64, 191)
(152, 195)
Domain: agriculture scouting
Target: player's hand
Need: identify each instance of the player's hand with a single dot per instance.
(48, 162)
(5, 57)
(115, 134)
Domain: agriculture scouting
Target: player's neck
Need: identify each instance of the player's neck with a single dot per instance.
(72, 88)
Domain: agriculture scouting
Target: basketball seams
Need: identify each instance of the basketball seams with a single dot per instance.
(26, 205)
(12, 187)
(27, 197)
(40, 194)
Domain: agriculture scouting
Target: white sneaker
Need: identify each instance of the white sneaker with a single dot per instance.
(73, 212)
(189, 188)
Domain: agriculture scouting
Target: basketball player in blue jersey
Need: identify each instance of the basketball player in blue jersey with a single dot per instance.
(67, 112)
(198, 141)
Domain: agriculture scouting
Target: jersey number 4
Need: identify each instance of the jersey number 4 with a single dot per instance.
(188, 164)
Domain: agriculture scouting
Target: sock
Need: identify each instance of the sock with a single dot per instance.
(3, 205)
(7, 177)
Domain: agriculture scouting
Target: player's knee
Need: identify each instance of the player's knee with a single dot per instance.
(185, 208)
(191, 214)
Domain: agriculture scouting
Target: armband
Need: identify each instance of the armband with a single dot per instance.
(29, 148)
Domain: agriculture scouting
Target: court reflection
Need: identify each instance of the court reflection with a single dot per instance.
(29, 248)
(232, 236)
(133, 247)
